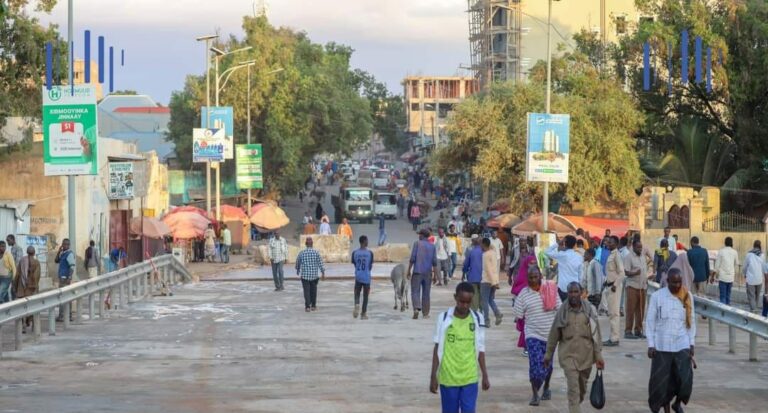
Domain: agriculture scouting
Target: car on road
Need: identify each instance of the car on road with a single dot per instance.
(386, 203)
(365, 178)
(353, 203)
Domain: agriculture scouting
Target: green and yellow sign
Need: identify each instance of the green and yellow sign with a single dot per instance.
(248, 159)
(70, 130)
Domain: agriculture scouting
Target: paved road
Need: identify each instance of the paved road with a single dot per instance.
(239, 347)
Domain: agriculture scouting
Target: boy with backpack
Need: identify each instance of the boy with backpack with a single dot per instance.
(459, 351)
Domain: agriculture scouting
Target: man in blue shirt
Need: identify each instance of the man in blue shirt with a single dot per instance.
(569, 264)
(473, 268)
(362, 259)
(422, 270)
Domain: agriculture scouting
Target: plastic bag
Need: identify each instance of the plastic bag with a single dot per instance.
(597, 394)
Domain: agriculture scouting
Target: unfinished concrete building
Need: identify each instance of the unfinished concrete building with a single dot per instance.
(495, 29)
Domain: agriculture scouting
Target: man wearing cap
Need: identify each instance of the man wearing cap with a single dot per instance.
(422, 270)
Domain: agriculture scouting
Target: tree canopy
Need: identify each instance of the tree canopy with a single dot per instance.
(489, 135)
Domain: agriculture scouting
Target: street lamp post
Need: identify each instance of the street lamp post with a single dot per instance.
(545, 206)
(207, 39)
(219, 54)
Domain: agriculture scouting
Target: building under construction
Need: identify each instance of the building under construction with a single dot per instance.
(495, 40)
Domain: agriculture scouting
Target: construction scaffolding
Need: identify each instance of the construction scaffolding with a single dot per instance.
(495, 40)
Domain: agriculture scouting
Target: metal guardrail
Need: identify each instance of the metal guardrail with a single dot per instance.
(125, 286)
(735, 318)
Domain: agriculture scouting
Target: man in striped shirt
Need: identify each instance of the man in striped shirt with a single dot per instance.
(308, 264)
(538, 322)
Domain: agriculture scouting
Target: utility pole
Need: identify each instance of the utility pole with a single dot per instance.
(248, 126)
(207, 40)
(545, 206)
(71, 184)
(218, 164)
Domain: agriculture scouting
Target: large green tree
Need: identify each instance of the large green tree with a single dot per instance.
(314, 105)
(488, 133)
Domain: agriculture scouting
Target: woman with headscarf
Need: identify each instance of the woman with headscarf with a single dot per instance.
(527, 259)
(686, 271)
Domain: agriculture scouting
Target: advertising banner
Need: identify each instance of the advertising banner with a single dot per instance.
(70, 131)
(207, 145)
(548, 147)
(248, 166)
(221, 117)
(121, 180)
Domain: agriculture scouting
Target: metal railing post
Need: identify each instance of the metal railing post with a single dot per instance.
(36, 326)
(78, 311)
(67, 314)
(752, 347)
(52, 321)
(90, 307)
(152, 276)
(102, 310)
(120, 295)
(731, 340)
(711, 325)
(18, 336)
(1, 340)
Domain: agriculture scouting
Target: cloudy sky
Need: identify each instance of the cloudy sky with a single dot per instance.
(391, 38)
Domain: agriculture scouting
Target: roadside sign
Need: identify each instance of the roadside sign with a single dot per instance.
(249, 166)
(70, 130)
(121, 180)
(548, 148)
(207, 145)
(221, 117)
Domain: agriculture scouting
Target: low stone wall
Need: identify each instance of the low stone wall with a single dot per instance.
(392, 253)
(335, 249)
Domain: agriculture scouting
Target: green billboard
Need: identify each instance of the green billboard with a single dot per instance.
(70, 131)
(248, 166)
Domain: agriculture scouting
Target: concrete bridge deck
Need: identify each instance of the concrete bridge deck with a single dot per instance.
(240, 347)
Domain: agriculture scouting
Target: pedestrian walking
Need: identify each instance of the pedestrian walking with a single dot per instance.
(210, 243)
(362, 259)
(473, 269)
(593, 278)
(382, 231)
(636, 271)
(345, 229)
(569, 264)
(498, 247)
(415, 216)
(755, 271)
(726, 266)
(663, 258)
(454, 249)
(526, 261)
(318, 211)
(278, 253)
(226, 243)
(698, 257)
(325, 227)
(7, 271)
(65, 258)
(614, 274)
(443, 257)
(400, 205)
(529, 306)
(422, 269)
(92, 260)
(16, 252)
(459, 351)
(490, 283)
(671, 330)
(308, 264)
(577, 334)
(27, 280)
(671, 242)
(301, 196)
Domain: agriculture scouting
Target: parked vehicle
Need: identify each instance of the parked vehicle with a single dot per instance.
(355, 203)
(365, 178)
(386, 203)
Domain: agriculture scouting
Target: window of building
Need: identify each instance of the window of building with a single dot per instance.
(414, 107)
(621, 25)
(414, 89)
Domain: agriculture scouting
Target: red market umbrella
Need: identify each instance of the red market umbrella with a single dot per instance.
(535, 224)
(232, 213)
(504, 221)
(186, 224)
(150, 227)
(267, 216)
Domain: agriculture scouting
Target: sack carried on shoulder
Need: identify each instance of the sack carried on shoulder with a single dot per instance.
(597, 395)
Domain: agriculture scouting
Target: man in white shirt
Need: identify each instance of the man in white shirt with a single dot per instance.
(754, 271)
(569, 264)
(442, 249)
(726, 265)
(671, 243)
(670, 327)
(497, 246)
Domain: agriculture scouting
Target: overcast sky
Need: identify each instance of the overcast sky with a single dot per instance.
(391, 38)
